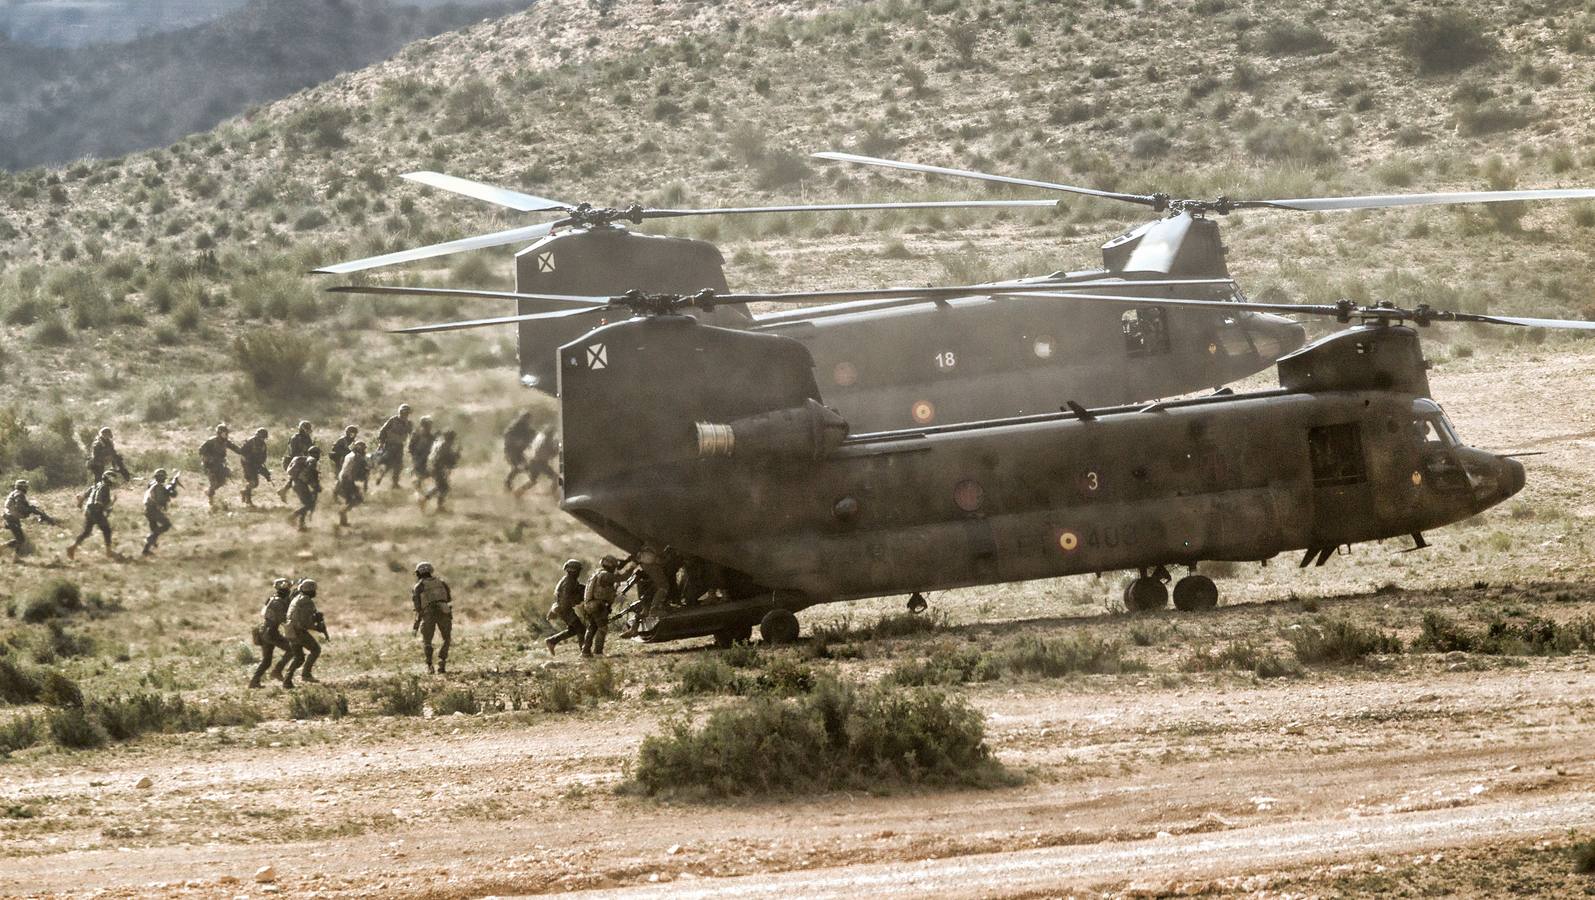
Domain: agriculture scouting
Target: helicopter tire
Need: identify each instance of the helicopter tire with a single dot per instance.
(1195, 592)
(1145, 595)
(731, 635)
(779, 626)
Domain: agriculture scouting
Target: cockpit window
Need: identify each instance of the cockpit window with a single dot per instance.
(1431, 425)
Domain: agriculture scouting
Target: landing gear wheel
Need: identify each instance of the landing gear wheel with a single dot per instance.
(778, 626)
(1195, 592)
(916, 603)
(1145, 595)
(731, 635)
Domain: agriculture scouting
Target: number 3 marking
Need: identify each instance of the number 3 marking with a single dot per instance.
(1091, 482)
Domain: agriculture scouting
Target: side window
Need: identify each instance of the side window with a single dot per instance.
(1146, 332)
(1337, 454)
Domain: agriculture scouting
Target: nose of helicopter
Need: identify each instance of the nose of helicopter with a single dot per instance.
(1274, 336)
(1513, 476)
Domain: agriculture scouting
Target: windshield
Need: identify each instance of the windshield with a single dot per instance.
(1431, 425)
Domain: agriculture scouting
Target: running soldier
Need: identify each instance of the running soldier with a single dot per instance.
(97, 502)
(353, 476)
(341, 446)
(304, 476)
(157, 497)
(103, 457)
(303, 648)
(252, 453)
(568, 595)
(434, 610)
(597, 603)
(517, 438)
(391, 439)
(420, 448)
(17, 508)
(213, 459)
(268, 634)
(298, 444)
(445, 456)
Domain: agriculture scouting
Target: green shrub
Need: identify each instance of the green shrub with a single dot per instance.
(708, 675)
(49, 454)
(1442, 634)
(1339, 641)
(75, 728)
(286, 365)
(54, 599)
(313, 701)
(1083, 652)
(563, 693)
(1446, 41)
(1242, 656)
(401, 697)
(835, 737)
(56, 689)
(1493, 116)
(1295, 39)
(19, 733)
(162, 405)
(17, 685)
(456, 700)
(1285, 141)
(785, 677)
(1584, 857)
(946, 665)
(51, 331)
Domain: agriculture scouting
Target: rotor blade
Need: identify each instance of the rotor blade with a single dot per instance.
(496, 239)
(401, 291)
(487, 192)
(1143, 199)
(921, 293)
(1575, 324)
(1381, 201)
(1160, 245)
(487, 323)
(1335, 311)
(843, 207)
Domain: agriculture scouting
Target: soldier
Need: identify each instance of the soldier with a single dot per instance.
(103, 457)
(17, 508)
(303, 648)
(445, 456)
(544, 448)
(420, 448)
(517, 437)
(304, 476)
(253, 455)
(434, 609)
(97, 502)
(391, 438)
(298, 444)
(156, 498)
(268, 634)
(213, 459)
(568, 596)
(597, 603)
(352, 480)
(340, 447)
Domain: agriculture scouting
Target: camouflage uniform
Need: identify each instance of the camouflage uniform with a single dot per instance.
(268, 634)
(103, 457)
(391, 438)
(340, 447)
(545, 447)
(213, 460)
(517, 437)
(252, 453)
(303, 648)
(434, 610)
(304, 476)
(445, 456)
(157, 497)
(17, 508)
(420, 447)
(97, 503)
(568, 595)
(298, 445)
(352, 476)
(597, 603)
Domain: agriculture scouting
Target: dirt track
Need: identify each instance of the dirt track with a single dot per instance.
(1129, 784)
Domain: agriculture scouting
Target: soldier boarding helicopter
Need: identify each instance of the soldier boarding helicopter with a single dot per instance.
(909, 361)
(734, 461)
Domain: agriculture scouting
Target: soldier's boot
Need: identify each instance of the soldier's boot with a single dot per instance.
(550, 643)
(428, 649)
(343, 517)
(282, 493)
(276, 671)
(149, 546)
(255, 682)
(443, 662)
(72, 552)
(248, 497)
(307, 677)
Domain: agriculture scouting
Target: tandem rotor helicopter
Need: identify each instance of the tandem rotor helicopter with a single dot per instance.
(735, 466)
(912, 360)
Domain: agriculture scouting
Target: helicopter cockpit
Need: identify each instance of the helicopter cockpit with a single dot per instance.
(1438, 445)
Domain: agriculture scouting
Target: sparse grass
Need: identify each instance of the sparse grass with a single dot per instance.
(1242, 656)
(1446, 41)
(456, 700)
(314, 701)
(400, 696)
(1583, 854)
(1338, 641)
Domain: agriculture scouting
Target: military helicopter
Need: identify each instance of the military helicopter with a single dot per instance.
(909, 361)
(734, 464)
(892, 362)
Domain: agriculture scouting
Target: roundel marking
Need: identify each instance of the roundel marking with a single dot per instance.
(1068, 541)
(969, 495)
(845, 374)
(1212, 349)
(1417, 478)
(924, 412)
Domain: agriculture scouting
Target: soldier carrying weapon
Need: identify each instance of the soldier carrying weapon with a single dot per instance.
(434, 610)
(303, 618)
(420, 447)
(568, 596)
(253, 455)
(213, 459)
(103, 456)
(157, 497)
(341, 446)
(391, 438)
(304, 476)
(268, 634)
(97, 502)
(17, 508)
(298, 444)
(352, 478)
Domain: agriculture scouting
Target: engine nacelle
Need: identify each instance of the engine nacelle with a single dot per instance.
(810, 431)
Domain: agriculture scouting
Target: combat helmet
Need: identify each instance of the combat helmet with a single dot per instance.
(262, 433)
(573, 565)
(281, 584)
(308, 587)
(423, 569)
(304, 425)
(359, 446)
(313, 453)
(404, 408)
(609, 562)
(160, 475)
(222, 429)
(21, 485)
(105, 432)
(351, 430)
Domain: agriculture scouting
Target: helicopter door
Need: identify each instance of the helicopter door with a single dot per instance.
(1146, 331)
(1342, 497)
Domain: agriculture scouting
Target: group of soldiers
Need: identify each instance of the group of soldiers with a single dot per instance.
(661, 577)
(432, 455)
(289, 621)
